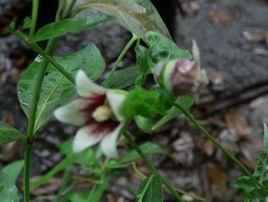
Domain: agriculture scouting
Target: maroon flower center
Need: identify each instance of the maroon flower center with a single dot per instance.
(99, 128)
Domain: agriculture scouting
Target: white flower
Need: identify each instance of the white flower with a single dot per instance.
(97, 112)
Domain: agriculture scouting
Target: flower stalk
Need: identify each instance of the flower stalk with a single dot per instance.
(150, 165)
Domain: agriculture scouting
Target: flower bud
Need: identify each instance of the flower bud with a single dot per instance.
(182, 76)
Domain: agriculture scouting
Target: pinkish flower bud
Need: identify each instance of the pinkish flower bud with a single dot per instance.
(182, 76)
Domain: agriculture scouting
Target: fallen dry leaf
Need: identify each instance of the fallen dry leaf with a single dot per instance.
(257, 36)
(217, 177)
(208, 147)
(237, 123)
(50, 187)
(221, 16)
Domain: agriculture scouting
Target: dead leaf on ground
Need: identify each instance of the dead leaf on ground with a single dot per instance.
(221, 17)
(50, 187)
(217, 177)
(257, 36)
(208, 148)
(237, 123)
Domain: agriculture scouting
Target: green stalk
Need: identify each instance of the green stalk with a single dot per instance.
(150, 165)
(207, 135)
(69, 9)
(120, 57)
(38, 85)
(43, 53)
(34, 17)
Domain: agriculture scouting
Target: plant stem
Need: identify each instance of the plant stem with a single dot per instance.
(207, 135)
(34, 17)
(27, 163)
(151, 166)
(120, 57)
(43, 53)
(69, 9)
(38, 85)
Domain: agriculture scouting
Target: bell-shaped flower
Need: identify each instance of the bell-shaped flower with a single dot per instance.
(96, 110)
(182, 76)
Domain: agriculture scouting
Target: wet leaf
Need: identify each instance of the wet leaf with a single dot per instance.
(138, 16)
(60, 28)
(8, 133)
(124, 78)
(56, 89)
(13, 170)
(8, 190)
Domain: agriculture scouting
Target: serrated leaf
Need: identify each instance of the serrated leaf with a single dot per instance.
(163, 48)
(8, 133)
(251, 190)
(138, 16)
(8, 190)
(185, 101)
(147, 148)
(144, 103)
(13, 170)
(151, 190)
(57, 90)
(62, 27)
(124, 78)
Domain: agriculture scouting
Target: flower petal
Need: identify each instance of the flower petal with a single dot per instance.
(196, 52)
(85, 87)
(84, 139)
(71, 113)
(115, 101)
(108, 144)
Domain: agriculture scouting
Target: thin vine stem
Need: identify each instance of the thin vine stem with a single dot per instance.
(34, 17)
(207, 135)
(152, 168)
(120, 57)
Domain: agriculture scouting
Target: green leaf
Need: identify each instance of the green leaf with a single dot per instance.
(61, 166)
(250, 190)
(57, 90)
(27, 23)
(145, 124)
(13, 170)
(138, 16)
(147, 148)
(8, 133)
(124, 78)
(8, 190)
(163, 48)
(62, 27)
(151, 190)
(144, 103)
(144, 63)
(185, 101)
